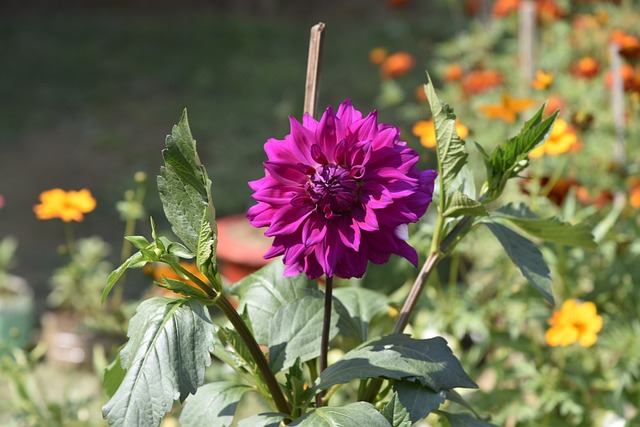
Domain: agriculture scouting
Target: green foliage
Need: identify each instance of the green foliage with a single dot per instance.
(353, 414)
(419, 400)
(362, 305)
(213, 405)
(399, 357)
(395, 413)
(165, 358)
(464, 420)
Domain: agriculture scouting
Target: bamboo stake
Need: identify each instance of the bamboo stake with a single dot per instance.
(526, 40)
(617, 105)
(313, 69)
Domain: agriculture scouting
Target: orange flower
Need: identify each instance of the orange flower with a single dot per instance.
(502, 8)
(163, 270)
(543, 80)
(574, 322)
(507, 109)
(585, 68)
(425, 130)
(397, 65)
(554, 103)
(421, 95)
(629, 45)
(548, 10)
(628, 74)
(66, 205)
(378, 55)
(453, 72)
(634, 193)
(562, 139)
(479, 81)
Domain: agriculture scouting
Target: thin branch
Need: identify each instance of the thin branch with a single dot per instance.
(313, 69)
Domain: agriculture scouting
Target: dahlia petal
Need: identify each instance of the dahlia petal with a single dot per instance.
(365, 218)
(367, 128)
(329, 132)
(347, 114)
(285, 173)
(313, 231)
(388, 136)
(349, 233)
(353, 264)
(287, 220)
(309, 122)
(301, 139)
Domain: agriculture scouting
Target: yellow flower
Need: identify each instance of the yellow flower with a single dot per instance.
(378, 55)
(574, 322)
(562, 139)
(543, 80)
(425, 130)
(66, 205)
(507, 109)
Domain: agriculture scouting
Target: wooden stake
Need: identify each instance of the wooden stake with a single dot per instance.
(313, 69)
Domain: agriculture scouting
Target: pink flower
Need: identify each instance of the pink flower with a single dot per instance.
(338, 193)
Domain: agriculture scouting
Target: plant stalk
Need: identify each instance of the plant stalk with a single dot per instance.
(326, 324)
(258, 356)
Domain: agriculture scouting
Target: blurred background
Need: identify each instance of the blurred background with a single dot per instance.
(89, 91)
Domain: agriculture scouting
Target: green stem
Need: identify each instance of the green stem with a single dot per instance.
(326, 325)
(258, 356)
(70, 238)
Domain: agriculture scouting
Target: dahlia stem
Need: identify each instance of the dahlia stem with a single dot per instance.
(258, 356)
(326, 323)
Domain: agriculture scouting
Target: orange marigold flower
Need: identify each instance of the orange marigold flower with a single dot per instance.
(628, 77)
(629, 44)
(163, 270)
(585, 68)
(426, 131)
(549, 10)
(479, 81)
(502, 8)
(634, 193)
(421, 95)
(453, 72)
(397, 65)
(562, 139)
(574, 321)
(378, 55)
(543, 80)
(66, 205)
(507, 109)
(554, 103)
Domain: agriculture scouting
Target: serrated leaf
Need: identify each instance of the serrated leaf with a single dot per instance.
(262, 294)
(136, 260)
(241, 352)
(464, 420)
(213, 405)
(418, 400)
(295, 331)
(175, 248)
(550, 229)
(168, 350)
(400, 357)
(462, 205)
(395, 413)
(354, 414)
(207, 242)
(526, 256)
(508, 159)
(269, 419)
(184, 187)
(362, 305)
(450, 149)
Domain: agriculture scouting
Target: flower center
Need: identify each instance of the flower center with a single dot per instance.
(333, 189)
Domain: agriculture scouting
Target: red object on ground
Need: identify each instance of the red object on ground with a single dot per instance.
(241, 247)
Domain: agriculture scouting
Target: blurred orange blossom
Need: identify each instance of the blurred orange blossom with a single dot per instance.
(562, 139)
(574, 321)
(66, 205)
(426, 131)
(507, 109)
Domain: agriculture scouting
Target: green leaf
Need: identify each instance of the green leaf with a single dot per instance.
(526, 256)
(206, 255)
(508, 159)
(136, 260)
(418, 400)
(454, 396)
(362, 305)
(268, 419)
(113, 376)
(262, 294)
(168, 350)
(395, 413)
(450, 149)
(139, 242)
(213, 405)
(241, 353)
(185, 189)
(464, 420)
(296, 331)
(354, 414)
(400, 357)
(181, 287)
(462, 205)
(551, 229)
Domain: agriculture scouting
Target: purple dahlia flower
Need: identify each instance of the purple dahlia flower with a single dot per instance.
(338, 193)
